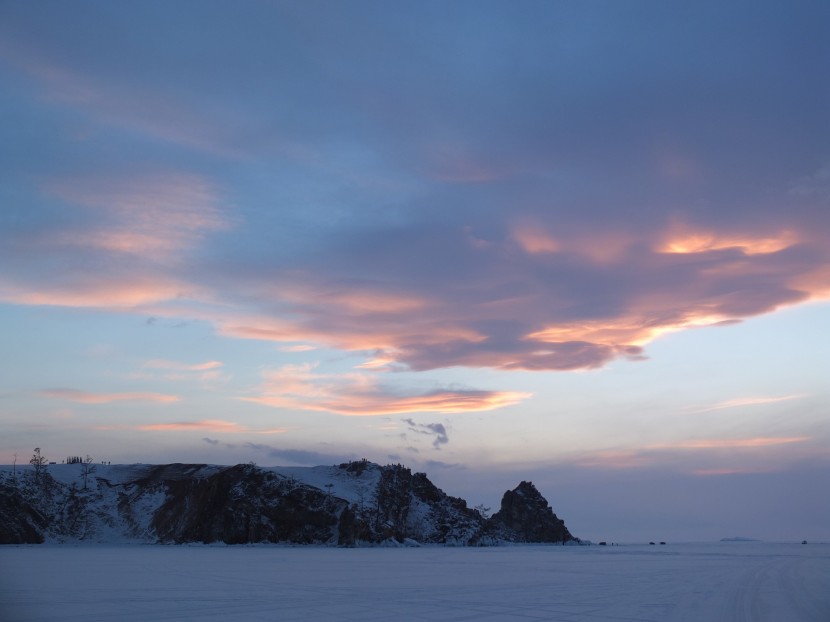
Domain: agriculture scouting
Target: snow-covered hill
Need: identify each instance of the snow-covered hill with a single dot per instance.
(342, 504)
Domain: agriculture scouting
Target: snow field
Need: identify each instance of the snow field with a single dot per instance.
(723, 582)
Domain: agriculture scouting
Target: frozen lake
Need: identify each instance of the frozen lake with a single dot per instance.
(738, 582)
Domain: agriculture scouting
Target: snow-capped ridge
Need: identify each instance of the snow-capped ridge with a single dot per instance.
(353, 503)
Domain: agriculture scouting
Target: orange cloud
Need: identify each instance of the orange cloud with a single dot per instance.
(298, 387)
(534, 240)
(608, 332)
(686, 240)
(86, 397)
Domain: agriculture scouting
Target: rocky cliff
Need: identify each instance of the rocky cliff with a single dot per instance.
(525, 516)
(347, 504)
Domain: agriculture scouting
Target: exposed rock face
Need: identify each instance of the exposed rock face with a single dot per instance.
(356, 502)
(525, 516)
(243, 504)
(409, 506)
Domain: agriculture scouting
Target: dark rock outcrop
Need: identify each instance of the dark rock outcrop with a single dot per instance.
(243, 504)
(410, 507)
(525, 516)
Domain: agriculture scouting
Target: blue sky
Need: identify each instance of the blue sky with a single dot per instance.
(583, 242)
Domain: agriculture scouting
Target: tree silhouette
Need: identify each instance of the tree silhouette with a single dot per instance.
(39, 463)
(87, 468)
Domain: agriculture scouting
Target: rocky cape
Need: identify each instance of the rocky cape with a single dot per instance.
(348, 504)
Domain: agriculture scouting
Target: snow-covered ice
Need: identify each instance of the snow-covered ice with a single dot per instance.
(720, 582)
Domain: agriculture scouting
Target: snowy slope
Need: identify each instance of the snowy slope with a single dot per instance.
(341, 483)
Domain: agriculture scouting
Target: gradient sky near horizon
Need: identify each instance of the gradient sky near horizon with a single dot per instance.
(583, 243)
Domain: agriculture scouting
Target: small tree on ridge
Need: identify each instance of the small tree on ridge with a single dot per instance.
(87, 468)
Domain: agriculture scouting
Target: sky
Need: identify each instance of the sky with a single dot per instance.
(581, 243)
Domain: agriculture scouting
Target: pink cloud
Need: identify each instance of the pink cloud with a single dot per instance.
(298, 387)
(87, 291)
(578, 301)
(86, 397)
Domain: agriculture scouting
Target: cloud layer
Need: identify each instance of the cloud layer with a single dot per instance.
(546, 188)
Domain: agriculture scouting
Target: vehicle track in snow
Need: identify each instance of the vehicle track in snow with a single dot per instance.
(781, 589)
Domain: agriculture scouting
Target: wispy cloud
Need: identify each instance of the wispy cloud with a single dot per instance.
(734, 443)
(177, 366)
(728, 471)
(619, 459)
(208, 373)
(748, 401)
(87, 397)
(298, 348)
(355, 394)
(160, 214)
(742, 455)
(211, 425)
(142, 110)
(135, 230)
(107, 291)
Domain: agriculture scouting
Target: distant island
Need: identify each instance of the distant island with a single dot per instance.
(349, 504)
(737, 539)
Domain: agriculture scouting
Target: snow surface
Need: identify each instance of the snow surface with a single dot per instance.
(338, 482)
(719, 582)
